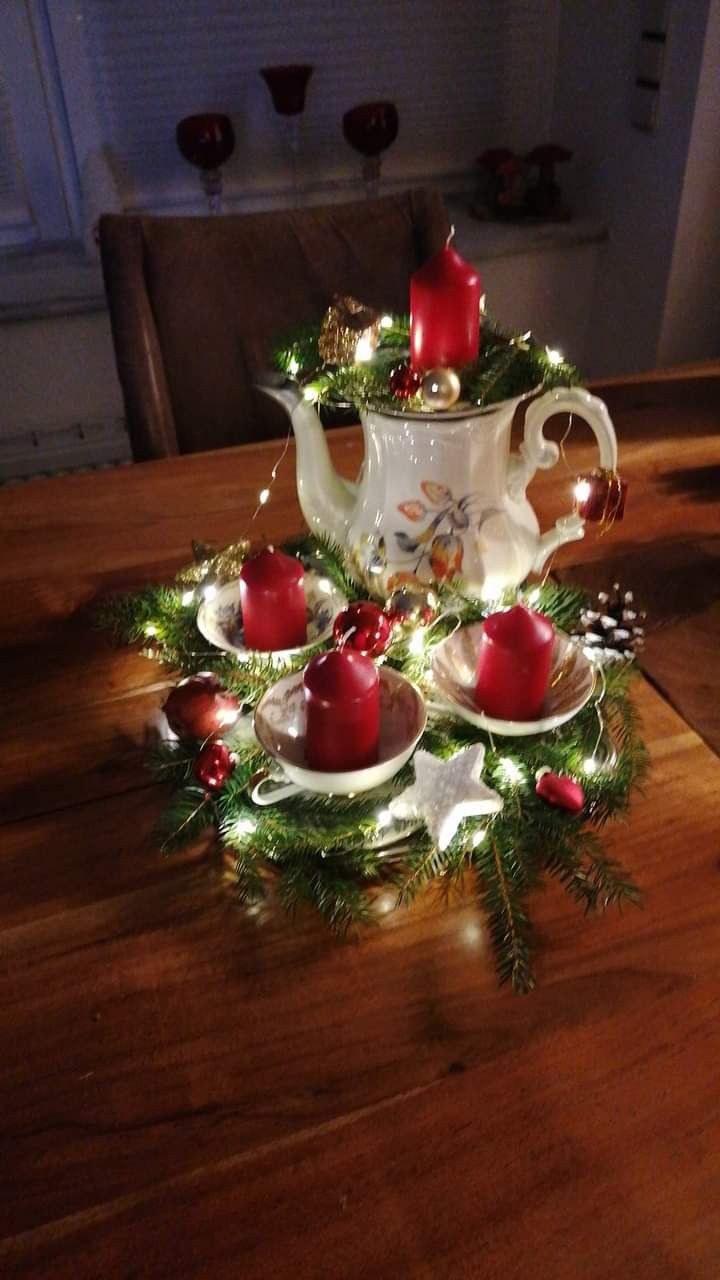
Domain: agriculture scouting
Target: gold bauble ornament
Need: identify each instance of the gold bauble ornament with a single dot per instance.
(350, 331)
(412, 604)
(440, 388)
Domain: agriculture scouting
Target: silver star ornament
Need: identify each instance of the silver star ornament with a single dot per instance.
(445, 792)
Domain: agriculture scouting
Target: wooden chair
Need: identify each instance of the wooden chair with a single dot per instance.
(196, 305)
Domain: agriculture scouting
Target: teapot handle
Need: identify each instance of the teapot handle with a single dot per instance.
(537, 453)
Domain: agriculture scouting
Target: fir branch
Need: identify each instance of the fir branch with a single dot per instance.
(188, 815)
(507, 916)
(338, 897)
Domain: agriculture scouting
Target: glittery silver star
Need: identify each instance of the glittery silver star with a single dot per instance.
(445, 792)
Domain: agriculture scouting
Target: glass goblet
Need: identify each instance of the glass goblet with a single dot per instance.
(287, 85)
(207, 141)
(371, 128)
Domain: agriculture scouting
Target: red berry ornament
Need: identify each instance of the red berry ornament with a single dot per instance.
(214, 765)
(404, 381)
(200, 708)
(364, 628)
(559, 790)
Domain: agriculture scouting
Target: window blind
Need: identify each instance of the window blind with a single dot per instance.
(465, 74)
(16, 222)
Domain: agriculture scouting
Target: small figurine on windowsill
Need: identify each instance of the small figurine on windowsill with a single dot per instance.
(502, 190)
(544, 199)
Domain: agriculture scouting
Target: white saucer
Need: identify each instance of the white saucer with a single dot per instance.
(454, 669)
(219, 619)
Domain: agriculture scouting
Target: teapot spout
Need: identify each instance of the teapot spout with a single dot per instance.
(326, 500)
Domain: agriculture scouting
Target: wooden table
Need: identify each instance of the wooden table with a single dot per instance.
(191, 1090)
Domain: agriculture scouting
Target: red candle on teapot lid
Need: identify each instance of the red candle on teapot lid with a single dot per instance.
(272, 601)
(514, 663)
(445, 311)
(342, 706)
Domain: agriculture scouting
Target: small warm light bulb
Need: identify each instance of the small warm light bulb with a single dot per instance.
(324, 584)
(511, 770)
(244, 826)
(478, 838)
(364, 351)
(590, 765)
(310, 393)
(227, 715)
(416, 643)
(187, 597)
(150, 629)
(582, 491)
(263, 497)
(384, 903)
(533, 596)
(293, 366)
(554, 356)
(491, 589)
(386, 322)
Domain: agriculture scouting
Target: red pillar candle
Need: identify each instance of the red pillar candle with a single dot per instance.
(445, 312)
(272, 601)
(342, 704)
(514, 664)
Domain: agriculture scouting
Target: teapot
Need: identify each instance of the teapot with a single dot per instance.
(440, 495)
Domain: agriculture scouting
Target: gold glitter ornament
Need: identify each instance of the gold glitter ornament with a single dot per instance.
(215, 566)
(440, 388)
(350, 331)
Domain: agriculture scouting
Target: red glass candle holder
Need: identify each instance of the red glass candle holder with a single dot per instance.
(371, 128)
(207, 141)
(287, 85)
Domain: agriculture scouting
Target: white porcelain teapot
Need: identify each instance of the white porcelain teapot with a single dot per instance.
(440, 495)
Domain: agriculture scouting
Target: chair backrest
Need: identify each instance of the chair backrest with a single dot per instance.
(197, 304)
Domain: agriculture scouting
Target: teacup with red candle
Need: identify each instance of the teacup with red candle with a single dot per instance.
(272, 601)
(342, 707)
(514, 661)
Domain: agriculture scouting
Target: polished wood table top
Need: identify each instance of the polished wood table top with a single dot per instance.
(189, 1089)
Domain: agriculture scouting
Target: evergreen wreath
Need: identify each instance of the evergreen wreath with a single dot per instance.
(507, 365)
(325, 850)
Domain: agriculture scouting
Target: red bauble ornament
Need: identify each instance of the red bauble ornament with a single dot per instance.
(404, 381)
(364, 628)
(200, 708)
(559, 790)
(600, 496)
(214, 765)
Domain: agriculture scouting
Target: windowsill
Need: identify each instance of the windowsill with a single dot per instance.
(38, 282)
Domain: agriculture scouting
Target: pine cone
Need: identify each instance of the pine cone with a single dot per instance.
(612, 631)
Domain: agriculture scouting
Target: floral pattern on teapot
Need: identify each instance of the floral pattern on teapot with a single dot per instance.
(439, 546)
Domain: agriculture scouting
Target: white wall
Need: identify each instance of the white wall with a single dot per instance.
(631, 178)
(691, 322)
(57, 372)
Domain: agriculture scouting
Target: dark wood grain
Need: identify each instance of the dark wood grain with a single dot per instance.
(189, 1088)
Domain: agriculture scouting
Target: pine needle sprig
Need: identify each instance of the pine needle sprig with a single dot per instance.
(508, 921)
